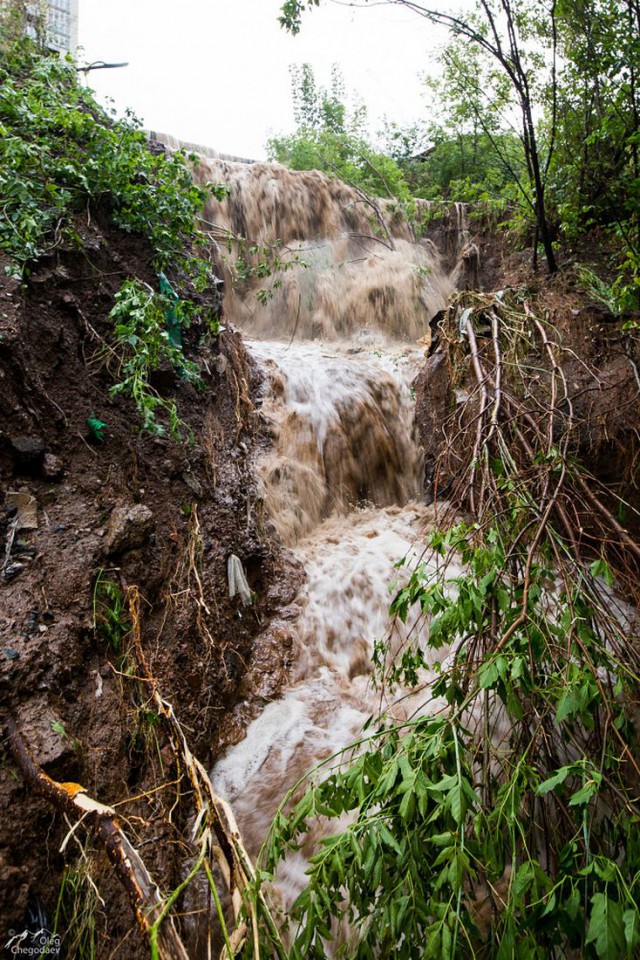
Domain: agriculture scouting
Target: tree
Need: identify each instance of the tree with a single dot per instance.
(510, 32)
(472, 152)
(595, 175)
(331, 136)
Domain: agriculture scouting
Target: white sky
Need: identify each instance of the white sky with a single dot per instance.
(216, 71)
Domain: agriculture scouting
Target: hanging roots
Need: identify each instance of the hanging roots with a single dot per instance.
(494, 811)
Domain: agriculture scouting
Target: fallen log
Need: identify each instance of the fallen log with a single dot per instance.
(72, 799)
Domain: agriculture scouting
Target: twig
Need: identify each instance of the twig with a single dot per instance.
(72, 799)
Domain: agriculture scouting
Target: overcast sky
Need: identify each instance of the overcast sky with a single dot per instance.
(216, 71)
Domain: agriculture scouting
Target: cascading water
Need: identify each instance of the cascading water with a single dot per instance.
(347, 266)
(342, 472)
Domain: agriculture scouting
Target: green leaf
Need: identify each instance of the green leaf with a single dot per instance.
(631, 921)
(606, 929)
(524, 877)
(488, 675)
(554, 781)
(442, 839)
(585, 793)
(600, 568)
(389, 839)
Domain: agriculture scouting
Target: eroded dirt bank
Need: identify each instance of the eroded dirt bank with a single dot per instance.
(128, 510)
(87, 521)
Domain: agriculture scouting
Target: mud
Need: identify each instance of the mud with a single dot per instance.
(67, 688)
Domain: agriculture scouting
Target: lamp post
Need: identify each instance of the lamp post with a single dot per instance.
(100, 65)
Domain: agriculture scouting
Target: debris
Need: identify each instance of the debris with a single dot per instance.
(73, 800)
(52, 467)
(128, 527)
(12, 570)
(23, 549)
(26, 508)
(97, 427)
(238, 581)
(99, 683)
(10, 653)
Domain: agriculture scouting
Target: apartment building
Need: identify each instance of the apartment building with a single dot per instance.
(52, 22)
(62, 25)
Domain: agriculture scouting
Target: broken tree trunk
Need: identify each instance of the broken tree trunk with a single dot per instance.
(72, 799)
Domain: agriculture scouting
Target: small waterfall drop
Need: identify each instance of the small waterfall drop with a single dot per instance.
(341, 471)
(347, 264)
(341, 423)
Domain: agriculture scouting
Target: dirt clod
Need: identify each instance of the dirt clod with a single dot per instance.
(128, 528)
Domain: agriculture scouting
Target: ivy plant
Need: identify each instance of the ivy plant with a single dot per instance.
(143, 339)
(60, 153)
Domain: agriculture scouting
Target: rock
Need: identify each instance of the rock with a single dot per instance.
(52, 468)
(28, 454)
(128, 527)
(12, 570)
(26, 508)
(220, 363)
(192, 483)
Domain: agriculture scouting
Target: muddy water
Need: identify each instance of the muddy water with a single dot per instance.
(342, 265)
(342, 482)
(342, 472)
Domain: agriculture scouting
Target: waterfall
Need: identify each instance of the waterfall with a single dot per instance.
(341, 471)
(348, 264)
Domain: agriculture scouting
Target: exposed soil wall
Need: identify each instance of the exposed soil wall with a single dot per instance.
(146, 511)
(600, 360)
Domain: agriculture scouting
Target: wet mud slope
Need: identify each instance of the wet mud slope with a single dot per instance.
(87, 524)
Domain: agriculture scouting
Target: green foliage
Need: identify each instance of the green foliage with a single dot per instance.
(248, 262)
(332, 138)
(77, 910)
(61, 153)
(595, 174)
(514, 46)
(19, 18)
(597, 146)
(442, 819)
(142, 336)
(458, 166)
(291, 13)
(110, 612)
(470, 156)
(603, 292)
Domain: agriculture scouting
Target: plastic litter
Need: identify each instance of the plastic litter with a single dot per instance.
(238, 581)
(170, 313)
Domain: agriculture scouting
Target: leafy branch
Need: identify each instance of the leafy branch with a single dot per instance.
(501, 818)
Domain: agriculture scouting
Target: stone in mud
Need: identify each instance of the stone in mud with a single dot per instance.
(52, 467)
(220, 363)
(48, 737)
(28, 454)
(128, 527)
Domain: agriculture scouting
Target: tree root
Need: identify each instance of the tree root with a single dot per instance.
(72, 799)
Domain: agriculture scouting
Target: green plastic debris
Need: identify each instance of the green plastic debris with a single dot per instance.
(170, 313)
(97, 427)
